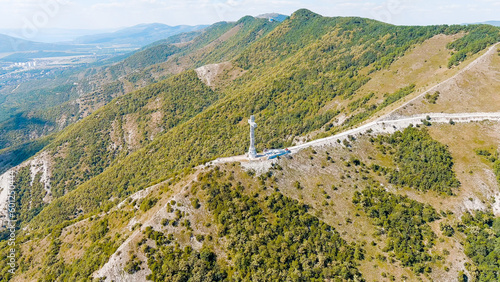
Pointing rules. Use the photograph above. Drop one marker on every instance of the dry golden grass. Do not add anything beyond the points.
(74, 242)
(474, 90)
(423, 65)
(477, 183)
(475, 174)
(317, 175)
(34, 252)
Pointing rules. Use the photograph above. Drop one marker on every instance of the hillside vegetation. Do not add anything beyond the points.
(423, 163)
(230, 223)
(300, 78)
(42, 109)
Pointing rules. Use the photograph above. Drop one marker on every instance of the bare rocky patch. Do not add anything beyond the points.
(214, 75)
(131, 131)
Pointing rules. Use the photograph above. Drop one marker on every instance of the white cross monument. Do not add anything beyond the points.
(252, 153)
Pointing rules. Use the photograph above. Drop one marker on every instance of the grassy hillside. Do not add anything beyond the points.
(296, 86)
(52, 109)
(325, 213)
(473, 90)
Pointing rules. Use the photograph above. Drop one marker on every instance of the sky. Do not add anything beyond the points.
(111, 14)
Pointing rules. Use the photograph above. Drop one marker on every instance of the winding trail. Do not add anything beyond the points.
(388, 123)
(480, 59)
(390, 126)
(377, 127)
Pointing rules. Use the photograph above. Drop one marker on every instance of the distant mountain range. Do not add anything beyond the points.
(132, 37)
(273, 16)
(137, 36)
(12, 44)
(493, 23)
(54, 35)
(135, 171)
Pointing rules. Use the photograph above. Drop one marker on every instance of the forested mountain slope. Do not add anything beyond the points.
(84, 92)
(298, 87)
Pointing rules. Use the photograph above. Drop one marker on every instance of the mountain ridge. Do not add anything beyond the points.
(494, 23)
(307, 16)
(138, 35)
(295, 86)
(12, 44)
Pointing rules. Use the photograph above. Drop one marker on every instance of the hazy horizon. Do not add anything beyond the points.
(29, 19)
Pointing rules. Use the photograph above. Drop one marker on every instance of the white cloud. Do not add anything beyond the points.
(112, 5)
(116, 13)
